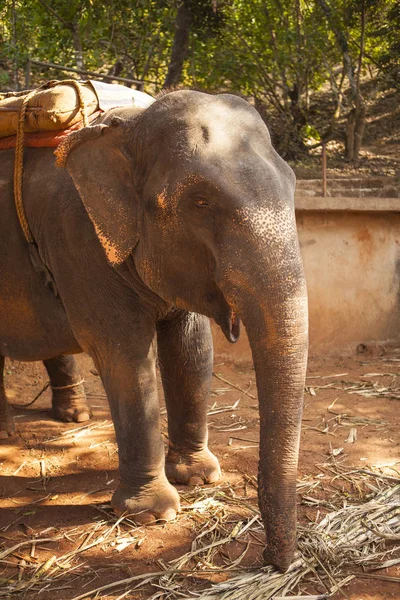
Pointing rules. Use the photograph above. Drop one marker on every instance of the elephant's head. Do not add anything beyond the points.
(193, 189)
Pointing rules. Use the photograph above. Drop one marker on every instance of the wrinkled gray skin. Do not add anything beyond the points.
(183, 210)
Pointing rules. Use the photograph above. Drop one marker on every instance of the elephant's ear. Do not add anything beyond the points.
(103, 175)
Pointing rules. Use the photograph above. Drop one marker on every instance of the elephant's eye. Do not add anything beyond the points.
(201, 202)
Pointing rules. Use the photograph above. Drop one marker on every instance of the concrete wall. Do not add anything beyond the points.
(351, 253)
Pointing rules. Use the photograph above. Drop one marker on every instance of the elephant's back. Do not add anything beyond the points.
(33, 324)
(41, 182)
(6, 175)
(8, 215)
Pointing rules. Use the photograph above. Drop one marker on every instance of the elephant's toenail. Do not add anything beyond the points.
(168, 515)
(195, 480)
(144, 518)
(81, 417)
(213, 477)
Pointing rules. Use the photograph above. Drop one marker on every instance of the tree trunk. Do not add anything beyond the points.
(115, 71)
(356, 118)
(359, 130)
(360, 105)
(339, 98)
(80, 63)
(15, 73)
(74, 29)
(350, 129)
(180, 46)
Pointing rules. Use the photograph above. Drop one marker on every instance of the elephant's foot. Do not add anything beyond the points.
(192, 468)
(70, 404)
(7, 428)
(154, 501)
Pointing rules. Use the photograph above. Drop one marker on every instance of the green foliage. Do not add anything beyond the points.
(310, 134)
(276, 52)
(383, 44)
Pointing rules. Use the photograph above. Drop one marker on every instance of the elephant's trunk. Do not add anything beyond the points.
(271, 299)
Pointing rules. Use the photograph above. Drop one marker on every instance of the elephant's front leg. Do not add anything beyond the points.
(68, 394)
(186, 359)
(6, 420)
(128, 370)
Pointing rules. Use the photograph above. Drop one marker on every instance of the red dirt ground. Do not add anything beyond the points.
(81, 472)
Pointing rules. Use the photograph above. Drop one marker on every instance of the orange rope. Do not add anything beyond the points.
(78, 88)
(18, 169)
(19, 149)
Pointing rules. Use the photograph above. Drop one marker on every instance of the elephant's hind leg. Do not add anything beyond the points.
(69, 398)
(186, 358)
(6, 420)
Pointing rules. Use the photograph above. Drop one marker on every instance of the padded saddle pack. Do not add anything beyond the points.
(59, 105)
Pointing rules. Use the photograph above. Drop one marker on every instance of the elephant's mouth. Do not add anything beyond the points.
(230, 325)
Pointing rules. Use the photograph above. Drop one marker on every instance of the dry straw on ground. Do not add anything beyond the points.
(349, 538)
(355, 531)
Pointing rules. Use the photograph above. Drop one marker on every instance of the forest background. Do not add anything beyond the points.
(317, 70)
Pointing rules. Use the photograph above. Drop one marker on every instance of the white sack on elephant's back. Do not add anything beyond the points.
(110, 96)
(58, 107)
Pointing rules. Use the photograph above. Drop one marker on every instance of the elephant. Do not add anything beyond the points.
(69, 401)
(152, 222)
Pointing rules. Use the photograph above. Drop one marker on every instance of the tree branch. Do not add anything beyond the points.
(51, 10)
(181, 44)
